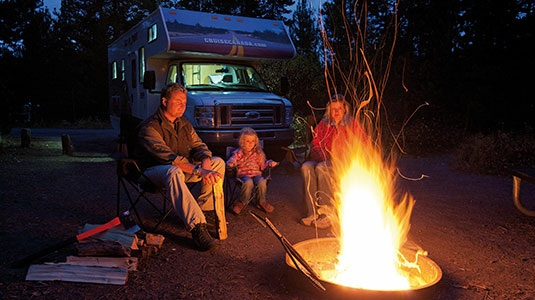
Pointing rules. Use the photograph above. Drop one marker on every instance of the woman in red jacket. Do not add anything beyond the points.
(316, 170)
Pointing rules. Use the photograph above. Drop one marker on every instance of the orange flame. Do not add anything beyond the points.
(373, 218)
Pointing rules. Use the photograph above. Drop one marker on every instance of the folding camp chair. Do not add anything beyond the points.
(232, 184)
(296, 155)
(130, 179)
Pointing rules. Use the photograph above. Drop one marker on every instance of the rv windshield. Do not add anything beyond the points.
(204, 76)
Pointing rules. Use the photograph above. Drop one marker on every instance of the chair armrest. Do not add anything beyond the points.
(129, 168)
(267, 172)
(296, 156)
(231, 171)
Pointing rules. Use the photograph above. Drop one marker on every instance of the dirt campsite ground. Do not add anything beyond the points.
(467, 223)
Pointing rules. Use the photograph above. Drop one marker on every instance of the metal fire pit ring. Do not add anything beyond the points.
(323, 249)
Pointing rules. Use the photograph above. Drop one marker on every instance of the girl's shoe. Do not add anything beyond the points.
(322, 222)
(237, 208)
(266, 207)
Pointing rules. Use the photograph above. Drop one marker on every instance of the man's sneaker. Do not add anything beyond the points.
(266, 207)
(202, 238)
(322, 222)
(308, 220)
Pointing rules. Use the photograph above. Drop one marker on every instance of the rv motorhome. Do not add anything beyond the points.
(214, 57)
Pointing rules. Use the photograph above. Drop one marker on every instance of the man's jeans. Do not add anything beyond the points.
(174, 181)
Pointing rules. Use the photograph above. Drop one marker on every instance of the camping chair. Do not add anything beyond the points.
(130, 179)
(232, 184)
(132, 183)
(296, 155)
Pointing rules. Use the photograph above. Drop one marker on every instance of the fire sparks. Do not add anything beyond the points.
(373, 219)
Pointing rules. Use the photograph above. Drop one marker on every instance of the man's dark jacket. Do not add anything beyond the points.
(161, 142)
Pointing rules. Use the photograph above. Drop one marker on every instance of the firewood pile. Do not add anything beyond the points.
(106, 258)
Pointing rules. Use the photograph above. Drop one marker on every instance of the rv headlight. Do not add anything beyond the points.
(288, 113)
(204, 115)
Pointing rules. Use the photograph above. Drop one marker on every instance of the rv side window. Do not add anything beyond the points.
(172, 74)
(114, 70)
(123, 70)
(134, 77)
(141, 64)
(152, 33)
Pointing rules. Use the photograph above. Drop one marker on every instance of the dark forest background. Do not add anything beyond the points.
(469, 62)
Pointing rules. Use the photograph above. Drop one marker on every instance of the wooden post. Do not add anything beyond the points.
(219, 206)
(66, 144)
(25, 137)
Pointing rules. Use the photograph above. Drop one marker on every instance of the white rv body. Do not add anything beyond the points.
(213, 56)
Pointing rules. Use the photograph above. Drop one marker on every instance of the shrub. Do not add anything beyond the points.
(301, 128)
(490, 153)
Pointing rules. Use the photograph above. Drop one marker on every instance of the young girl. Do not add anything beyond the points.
(250, 160)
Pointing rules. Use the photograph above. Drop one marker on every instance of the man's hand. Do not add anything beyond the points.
(209, 176)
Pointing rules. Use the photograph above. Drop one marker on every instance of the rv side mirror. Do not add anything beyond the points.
(149, 80)
(285, 85)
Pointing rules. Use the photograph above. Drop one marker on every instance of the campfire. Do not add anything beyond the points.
(371, 217)
(371, 223)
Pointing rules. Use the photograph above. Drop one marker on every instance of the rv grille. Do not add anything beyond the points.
(238, 116)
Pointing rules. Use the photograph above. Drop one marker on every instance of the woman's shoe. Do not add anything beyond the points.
(308, 220)
(322, 222)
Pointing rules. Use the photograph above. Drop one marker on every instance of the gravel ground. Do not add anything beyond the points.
(467, 223)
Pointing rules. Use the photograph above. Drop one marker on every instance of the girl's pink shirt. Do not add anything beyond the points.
(247, 165)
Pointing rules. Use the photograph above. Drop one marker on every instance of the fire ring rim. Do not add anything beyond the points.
(426, 259)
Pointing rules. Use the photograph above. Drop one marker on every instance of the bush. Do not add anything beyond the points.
(301, 128)
(490, 153)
